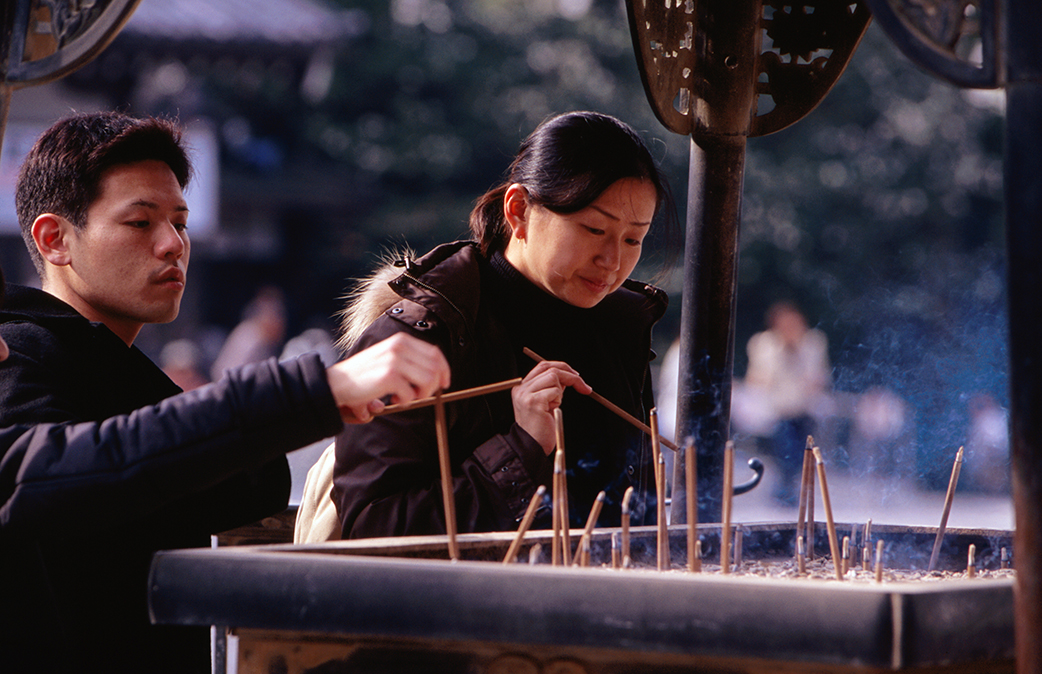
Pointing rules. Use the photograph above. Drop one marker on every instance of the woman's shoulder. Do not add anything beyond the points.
(448, 274)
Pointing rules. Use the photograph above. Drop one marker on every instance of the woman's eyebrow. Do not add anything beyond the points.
(617, 218)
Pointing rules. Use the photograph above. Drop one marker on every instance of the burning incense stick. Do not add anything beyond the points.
(616, 557)
(566, 539)
(1003, 559)
(866, 557)
(846, 554)
(534, 552)
(833, 543)
(806, 488)
(526, 522)
(610, 405)
(739, 531)
(725, 532)
(451, 397)
(694, 564)
(809, 531)
(947, 509)
(866, 541)
(442, 431)
(971, 561)
(591, 522)
(626, 526)
(555, 510)
(662, 539)
(663, 531)
(879, 561)
(801, 557)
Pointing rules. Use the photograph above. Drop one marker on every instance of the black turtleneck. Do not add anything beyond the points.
(600, 447)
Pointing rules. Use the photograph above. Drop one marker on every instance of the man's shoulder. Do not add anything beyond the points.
(33, 321)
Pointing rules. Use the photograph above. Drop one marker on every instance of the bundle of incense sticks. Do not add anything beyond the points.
(694, 562)
(451, 397)
(442, 432)
(728, 495)
(833, 543)
(954, 480)
(609, 405)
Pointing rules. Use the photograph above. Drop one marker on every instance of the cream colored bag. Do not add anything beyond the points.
(317, 520)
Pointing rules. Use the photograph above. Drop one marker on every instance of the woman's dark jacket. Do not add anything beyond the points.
(103, 463)
(482, 313)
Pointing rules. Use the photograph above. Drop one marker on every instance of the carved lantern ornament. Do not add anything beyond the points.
(45, 40)
(748, 68)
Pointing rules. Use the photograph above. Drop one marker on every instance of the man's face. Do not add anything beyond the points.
(127, 266)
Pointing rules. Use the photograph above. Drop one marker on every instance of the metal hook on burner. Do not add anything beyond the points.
(757, 467)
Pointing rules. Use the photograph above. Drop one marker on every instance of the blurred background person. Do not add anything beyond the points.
(789, 373)
(258, 336)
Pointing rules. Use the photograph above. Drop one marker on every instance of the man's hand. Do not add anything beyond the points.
(401, 366)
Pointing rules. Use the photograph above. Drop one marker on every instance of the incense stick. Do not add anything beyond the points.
(616, 557)
(694, 563)
(591, 522)
(947, 509)
(971, 561)
(805, 487)
(450, 397)
(725, 532)
(879, 561)
(833, 543)
(659, 464)
(526, 522)
(534, 552)
(610, 405)
(626, 526)
(738, 535)
(801, 557)
(555, 511)
(566, 539)
(845, 552)
(663, 531)
(442, 432)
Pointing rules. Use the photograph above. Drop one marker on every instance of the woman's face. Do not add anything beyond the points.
(581, 257)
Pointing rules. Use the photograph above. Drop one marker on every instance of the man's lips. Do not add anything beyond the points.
(171, 276)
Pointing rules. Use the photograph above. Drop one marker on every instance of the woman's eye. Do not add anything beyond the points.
(594, 230)
(633, 242)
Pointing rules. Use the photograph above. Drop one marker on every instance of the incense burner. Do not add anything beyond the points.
(396, 605)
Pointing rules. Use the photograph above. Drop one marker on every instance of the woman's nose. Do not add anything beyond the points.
(608, 257)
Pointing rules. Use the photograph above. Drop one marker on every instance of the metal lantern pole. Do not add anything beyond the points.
(708, 75)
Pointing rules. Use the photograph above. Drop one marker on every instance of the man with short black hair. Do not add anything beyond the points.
(103, 460)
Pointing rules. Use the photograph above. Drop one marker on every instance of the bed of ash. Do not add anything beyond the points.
(821, 568)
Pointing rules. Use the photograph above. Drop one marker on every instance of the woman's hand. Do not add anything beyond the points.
(401, 366)
(539, 394)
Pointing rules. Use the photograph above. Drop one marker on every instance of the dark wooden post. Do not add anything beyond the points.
(707, 75)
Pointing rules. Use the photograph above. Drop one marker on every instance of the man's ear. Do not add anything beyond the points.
(515, 210)
(50, 232)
